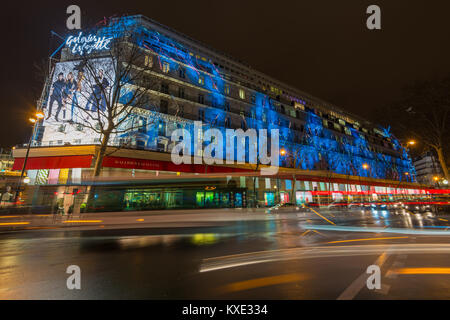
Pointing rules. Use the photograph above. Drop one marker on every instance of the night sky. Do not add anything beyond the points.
(320, 47)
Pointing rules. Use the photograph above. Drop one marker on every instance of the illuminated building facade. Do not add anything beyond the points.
(323, 147)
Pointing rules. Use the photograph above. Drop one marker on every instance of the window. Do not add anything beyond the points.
(181, 92)
(180, 111)
(142, 125)
(227, 106)
(148, 62)
(201, 115)
(164, 106)
(347, 131)
(201, 80)
(161, 128)
(337, 127)
(253, 99)
(182, 73)
(201, 99)
(227, 122)
(165, 67)
(164, 88)
(227, 89)
(299, 106)
(241, 93)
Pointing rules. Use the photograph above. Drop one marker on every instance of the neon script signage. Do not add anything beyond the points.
(82, 44)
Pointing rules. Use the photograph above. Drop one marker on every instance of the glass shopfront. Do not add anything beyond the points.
(148, 199)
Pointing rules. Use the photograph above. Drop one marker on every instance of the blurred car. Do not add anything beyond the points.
(341, 204)
(420, 208)
(284, 207)
(378, 206)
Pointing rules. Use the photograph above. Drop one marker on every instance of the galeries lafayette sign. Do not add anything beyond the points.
(85, 44)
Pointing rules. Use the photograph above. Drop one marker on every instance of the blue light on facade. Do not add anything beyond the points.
(316, 147)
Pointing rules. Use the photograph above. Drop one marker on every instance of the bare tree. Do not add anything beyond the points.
(424, 114)
(113, 96)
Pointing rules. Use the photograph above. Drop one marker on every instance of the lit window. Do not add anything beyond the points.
(165, 67)
(201, 80)
(227, 89)
(337, 127)
(299, 106)
(347, 131)
(148, 61)
(241, 93)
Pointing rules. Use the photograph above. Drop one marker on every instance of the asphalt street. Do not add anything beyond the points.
(227, 255)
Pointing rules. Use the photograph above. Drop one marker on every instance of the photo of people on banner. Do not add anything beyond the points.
(77, 87)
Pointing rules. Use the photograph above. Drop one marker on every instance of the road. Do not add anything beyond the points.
(227, 255)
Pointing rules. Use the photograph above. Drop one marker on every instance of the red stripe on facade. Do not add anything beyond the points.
(53, 162)
(131, 163)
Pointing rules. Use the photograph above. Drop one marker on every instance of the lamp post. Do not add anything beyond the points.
(34, 120)
(294, 156)
(436, 180)
(409, 143)
(365, 166)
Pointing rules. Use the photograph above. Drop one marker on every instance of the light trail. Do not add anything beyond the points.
(13, 223)
(83, 221)
(378, 230)
(262, 282)
(367, 239)
(421, 271)
(251, 258)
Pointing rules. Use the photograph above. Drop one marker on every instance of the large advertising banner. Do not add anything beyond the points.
(79, 94)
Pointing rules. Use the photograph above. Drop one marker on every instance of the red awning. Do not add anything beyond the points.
(53, 162)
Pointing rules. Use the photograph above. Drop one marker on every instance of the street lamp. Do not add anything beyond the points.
(436, 180)
(411, 142)
(40, 115)
(365, 166)
(34, 120)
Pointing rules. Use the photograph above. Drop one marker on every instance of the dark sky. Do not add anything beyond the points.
(321, 47)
